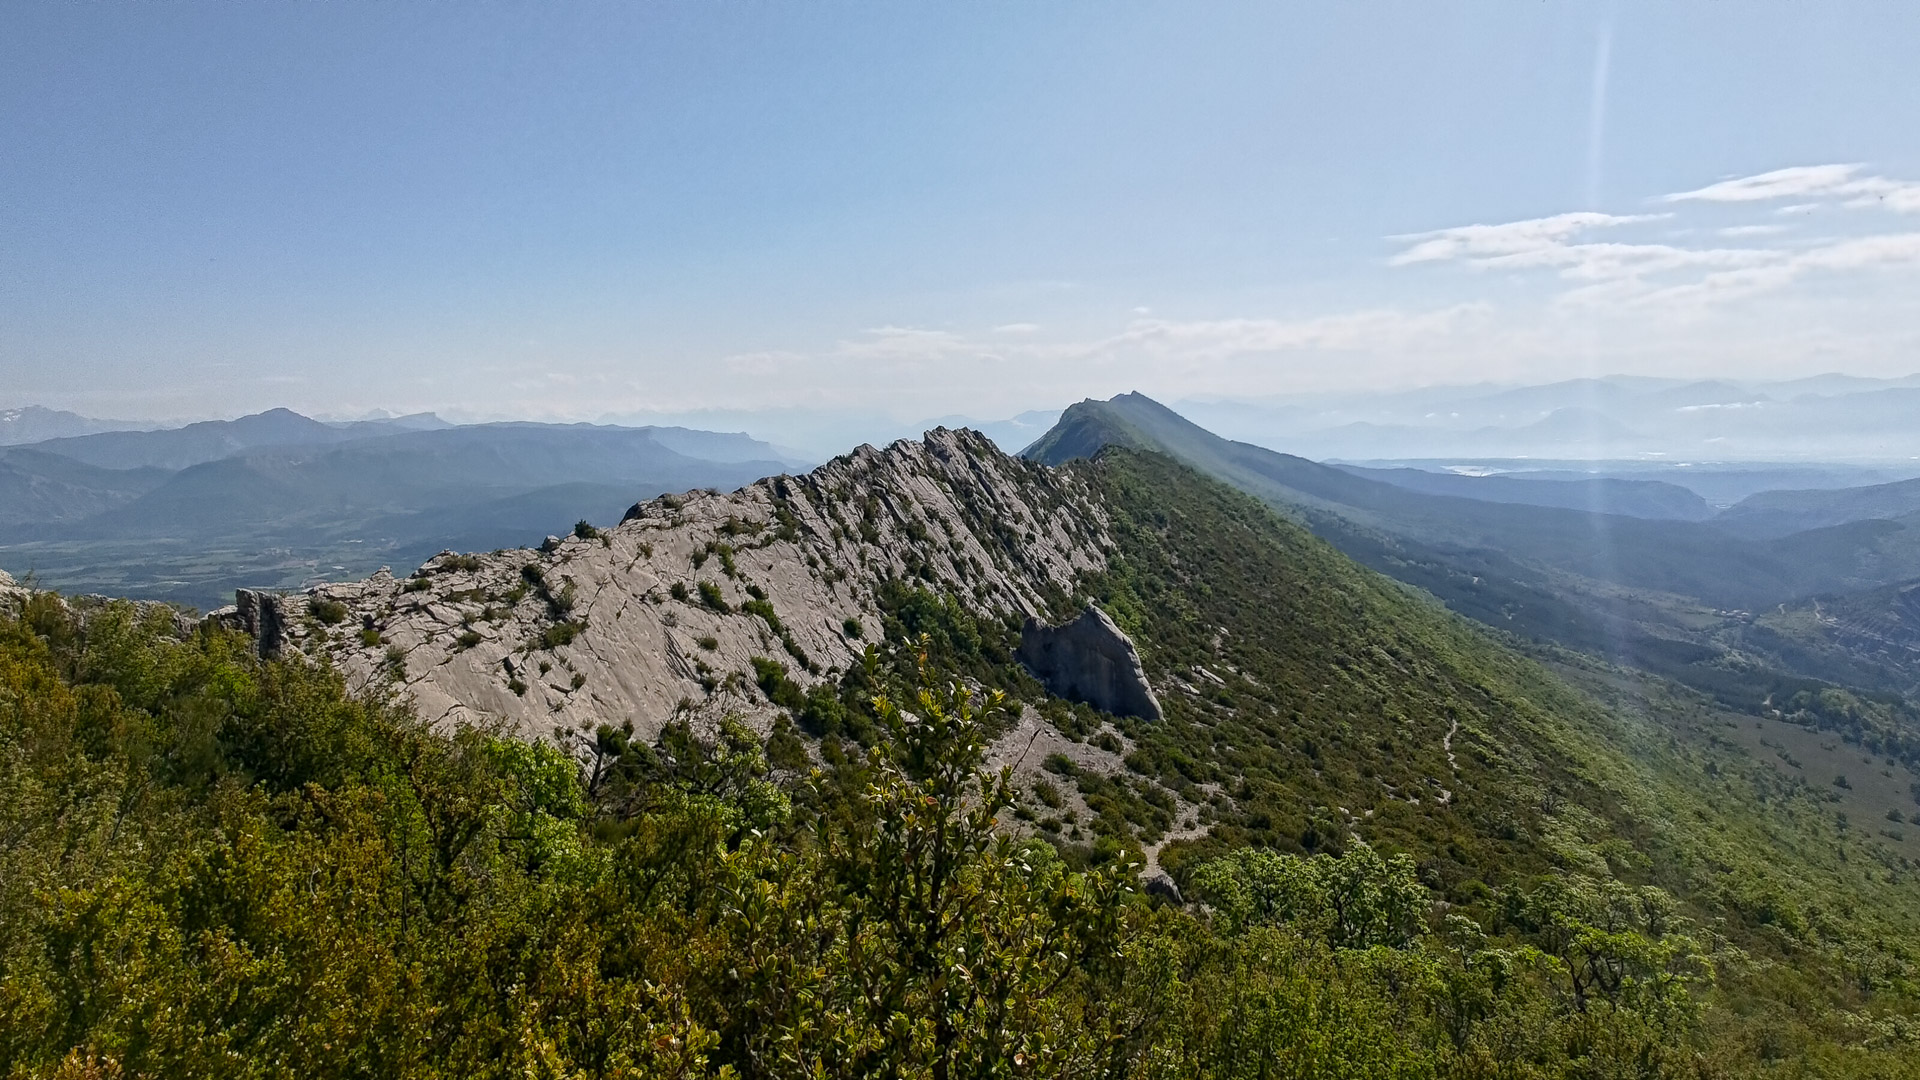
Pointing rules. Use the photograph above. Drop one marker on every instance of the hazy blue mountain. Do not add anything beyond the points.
(1778, 513)
(32, 423)
(1655, 499)
(724, 446)
(299, 498)
(39, 488)
(1721, 484)
(195, 444)
(423, 421)
(339, 489)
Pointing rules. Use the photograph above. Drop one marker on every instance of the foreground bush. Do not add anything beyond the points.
(215, 866)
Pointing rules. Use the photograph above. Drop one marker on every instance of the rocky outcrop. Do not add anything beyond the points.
(11, 593)
(262, 614)
(668, 611)
(1090, 660)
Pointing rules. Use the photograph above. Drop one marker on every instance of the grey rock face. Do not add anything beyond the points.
(665, 614)
(263, 615)
(1162, 886)
(1089, 660)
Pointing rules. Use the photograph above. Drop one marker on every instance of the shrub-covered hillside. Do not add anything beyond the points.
(212, 865)
(1311, 700)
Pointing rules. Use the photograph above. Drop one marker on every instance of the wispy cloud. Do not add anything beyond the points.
(1608, 271)
(1520, 241)
(1844, 182)
(1599, 255)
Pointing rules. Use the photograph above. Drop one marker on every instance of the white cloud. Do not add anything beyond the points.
(1843, 182)
(1798, 182)
(1018, 328)
(1629, 274)
(1610, 271)
(1515, 240)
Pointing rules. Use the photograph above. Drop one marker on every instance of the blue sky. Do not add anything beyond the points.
(592, 210)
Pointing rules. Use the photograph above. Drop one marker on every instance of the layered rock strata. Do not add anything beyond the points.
(668, 610)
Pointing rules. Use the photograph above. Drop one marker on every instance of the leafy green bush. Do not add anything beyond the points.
(711, 596)
(330, 612)
(213, 862)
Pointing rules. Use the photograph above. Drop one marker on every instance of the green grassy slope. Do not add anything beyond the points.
(1676, 599)
(1335, 693)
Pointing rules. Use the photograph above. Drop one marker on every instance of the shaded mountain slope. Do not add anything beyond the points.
(1654, 499)
(1673, 598)
(1780, 513)
(1328, 704)
(1682, 557)
(41, 489)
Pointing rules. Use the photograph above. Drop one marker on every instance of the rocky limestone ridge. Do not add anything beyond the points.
(14, 598)
(668, 610)
(1089, 659)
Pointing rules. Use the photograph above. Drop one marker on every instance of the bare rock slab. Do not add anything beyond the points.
(1089, 660)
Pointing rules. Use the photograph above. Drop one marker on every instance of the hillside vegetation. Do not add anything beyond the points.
(1425, 856)
(1803, 626)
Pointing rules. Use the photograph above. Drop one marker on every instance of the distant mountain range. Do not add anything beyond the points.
(34, 424)
(1827, 418)
(274, 498)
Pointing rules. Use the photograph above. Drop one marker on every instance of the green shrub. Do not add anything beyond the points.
(711, 596)
(678, 591)
(560, 633)
(852, 628)
(330, 612)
